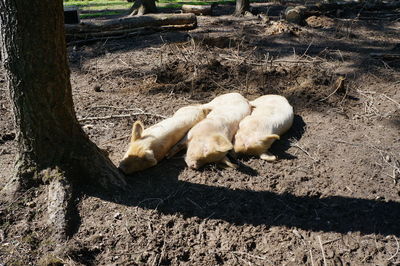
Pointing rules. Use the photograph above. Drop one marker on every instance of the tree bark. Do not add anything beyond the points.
(141, 7)
(241, 7)
(205, 10)
(49, 136)
(158, 20)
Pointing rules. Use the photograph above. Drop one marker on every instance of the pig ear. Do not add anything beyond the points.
(206, 110)
(223, 144)
(271, 137)
(137, 130)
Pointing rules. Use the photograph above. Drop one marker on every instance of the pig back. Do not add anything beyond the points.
(273, 112)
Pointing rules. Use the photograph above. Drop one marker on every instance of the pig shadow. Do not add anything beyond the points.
(296, 132)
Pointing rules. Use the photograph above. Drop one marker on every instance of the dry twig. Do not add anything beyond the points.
(118, 116)
(295, 144)
(116, 139)
(311, 258)
(330, 241)
(339, 86)
(322, 250)
(397, 250)
(247, 254)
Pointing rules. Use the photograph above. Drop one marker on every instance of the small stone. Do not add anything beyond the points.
(118, 216)
(89, 126)
(31, 204)
(8, 136)
(97, 88)
(264, 17)
(329, 253)
(248, 14)
(296, 233)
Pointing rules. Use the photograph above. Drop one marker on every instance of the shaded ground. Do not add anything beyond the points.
(332, 194)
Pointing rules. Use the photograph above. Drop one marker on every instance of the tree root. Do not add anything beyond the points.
(92, 168)
(59, 201)
(142, 7)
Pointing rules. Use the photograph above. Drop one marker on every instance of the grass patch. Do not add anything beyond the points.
(100, 8)
(191, 2)
(101, 14)
(117, 4)
(87, 5)
(96, 3)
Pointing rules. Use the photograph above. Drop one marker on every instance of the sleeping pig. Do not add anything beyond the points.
(149, 146)
(272, 116)
(211, 139)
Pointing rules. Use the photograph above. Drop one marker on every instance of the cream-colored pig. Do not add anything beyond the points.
(149, 146)
(272, 116)
(211, 139)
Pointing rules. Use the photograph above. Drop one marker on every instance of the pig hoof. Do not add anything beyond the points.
(268, 157)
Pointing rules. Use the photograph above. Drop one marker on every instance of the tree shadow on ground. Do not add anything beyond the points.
(159, 188)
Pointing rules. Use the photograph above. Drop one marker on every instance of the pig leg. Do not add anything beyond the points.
(177, 147)
(267, 156)
(228, 163)
(233, 154)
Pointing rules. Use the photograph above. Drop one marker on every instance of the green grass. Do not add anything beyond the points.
(96, 3)
(99, 8)
(99, 4)
(101, 14)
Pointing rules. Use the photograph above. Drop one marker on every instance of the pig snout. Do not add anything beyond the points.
(193, 164)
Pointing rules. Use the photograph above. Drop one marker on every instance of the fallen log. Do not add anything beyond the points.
(377, 5)
(128, 25)
(298, 14)
(205, 10)
(87, 38)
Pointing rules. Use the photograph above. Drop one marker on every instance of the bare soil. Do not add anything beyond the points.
(332, 197)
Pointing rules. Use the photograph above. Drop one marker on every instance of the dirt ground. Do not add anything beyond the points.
(332, 197)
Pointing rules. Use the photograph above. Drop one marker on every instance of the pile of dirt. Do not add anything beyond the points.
(303, 84)
(282, 26)
(320, 22)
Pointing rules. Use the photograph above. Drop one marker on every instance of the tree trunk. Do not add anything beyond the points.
(51, 144)
(241, 7)
(141, 7)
